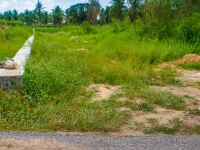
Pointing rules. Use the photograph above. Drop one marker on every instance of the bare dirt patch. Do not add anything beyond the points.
(141, 120)
(159, 117)
(103, 91)
(188, 76)
(187, 91)
(190, 58)
(37, 145)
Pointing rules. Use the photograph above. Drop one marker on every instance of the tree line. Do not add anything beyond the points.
(160, 18)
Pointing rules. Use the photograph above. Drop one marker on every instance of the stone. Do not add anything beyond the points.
(2, 64)
(158, 77)
(3, 87)
(7, 58)
(10, 64)
(124, 109)
(9, 84)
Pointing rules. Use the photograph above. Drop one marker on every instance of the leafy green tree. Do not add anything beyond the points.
(57, 15)
(77, 13)
(93, 11)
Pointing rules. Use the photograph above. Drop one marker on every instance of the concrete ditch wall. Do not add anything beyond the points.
(8, 82)
(14, 77)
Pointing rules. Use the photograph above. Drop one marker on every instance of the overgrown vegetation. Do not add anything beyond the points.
(65, 60)
(12, 39)
(123, 51)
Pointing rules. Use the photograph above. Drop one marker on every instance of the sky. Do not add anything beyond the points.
(21, 5)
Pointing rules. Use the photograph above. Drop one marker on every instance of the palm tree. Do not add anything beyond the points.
(15, 14)
(104, 15)
(57, 15)
(8, 15)
(117, 9)
(29, 17)
(93, 11)
(45, 17)
(133, 8)
(39, 9)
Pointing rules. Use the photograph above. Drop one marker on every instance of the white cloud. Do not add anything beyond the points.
(4, 4)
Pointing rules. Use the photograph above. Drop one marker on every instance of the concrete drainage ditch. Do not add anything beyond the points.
(12, 70)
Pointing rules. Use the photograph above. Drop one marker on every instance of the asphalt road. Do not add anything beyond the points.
(97, 142)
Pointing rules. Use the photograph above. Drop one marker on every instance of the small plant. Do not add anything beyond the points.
(188, 96)
(163, 98)
(87, 28)
(195, 111)
(152, 121)
(160, 129)
(146, 106)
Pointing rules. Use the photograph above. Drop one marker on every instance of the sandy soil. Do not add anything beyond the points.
(190, 58)
(37, 145)
(190, 92)
(103, 91)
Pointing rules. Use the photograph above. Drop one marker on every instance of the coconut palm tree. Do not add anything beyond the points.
(105, 16)
(134, 8)
(15, 15)
(117, 9)
(29, 17)
(57, 15)
(8, 15)
(39, 9)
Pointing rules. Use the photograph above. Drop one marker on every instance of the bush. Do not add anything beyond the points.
(11, 23)
(87, 28)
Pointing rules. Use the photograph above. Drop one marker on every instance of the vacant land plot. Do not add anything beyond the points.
(100, 80)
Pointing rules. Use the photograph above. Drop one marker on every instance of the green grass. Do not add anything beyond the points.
(195, 111)
(68, 115)
(12, 39)
(189, 66)
(66, 60)
(146, 106)
(163, 98)
(175, 126)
